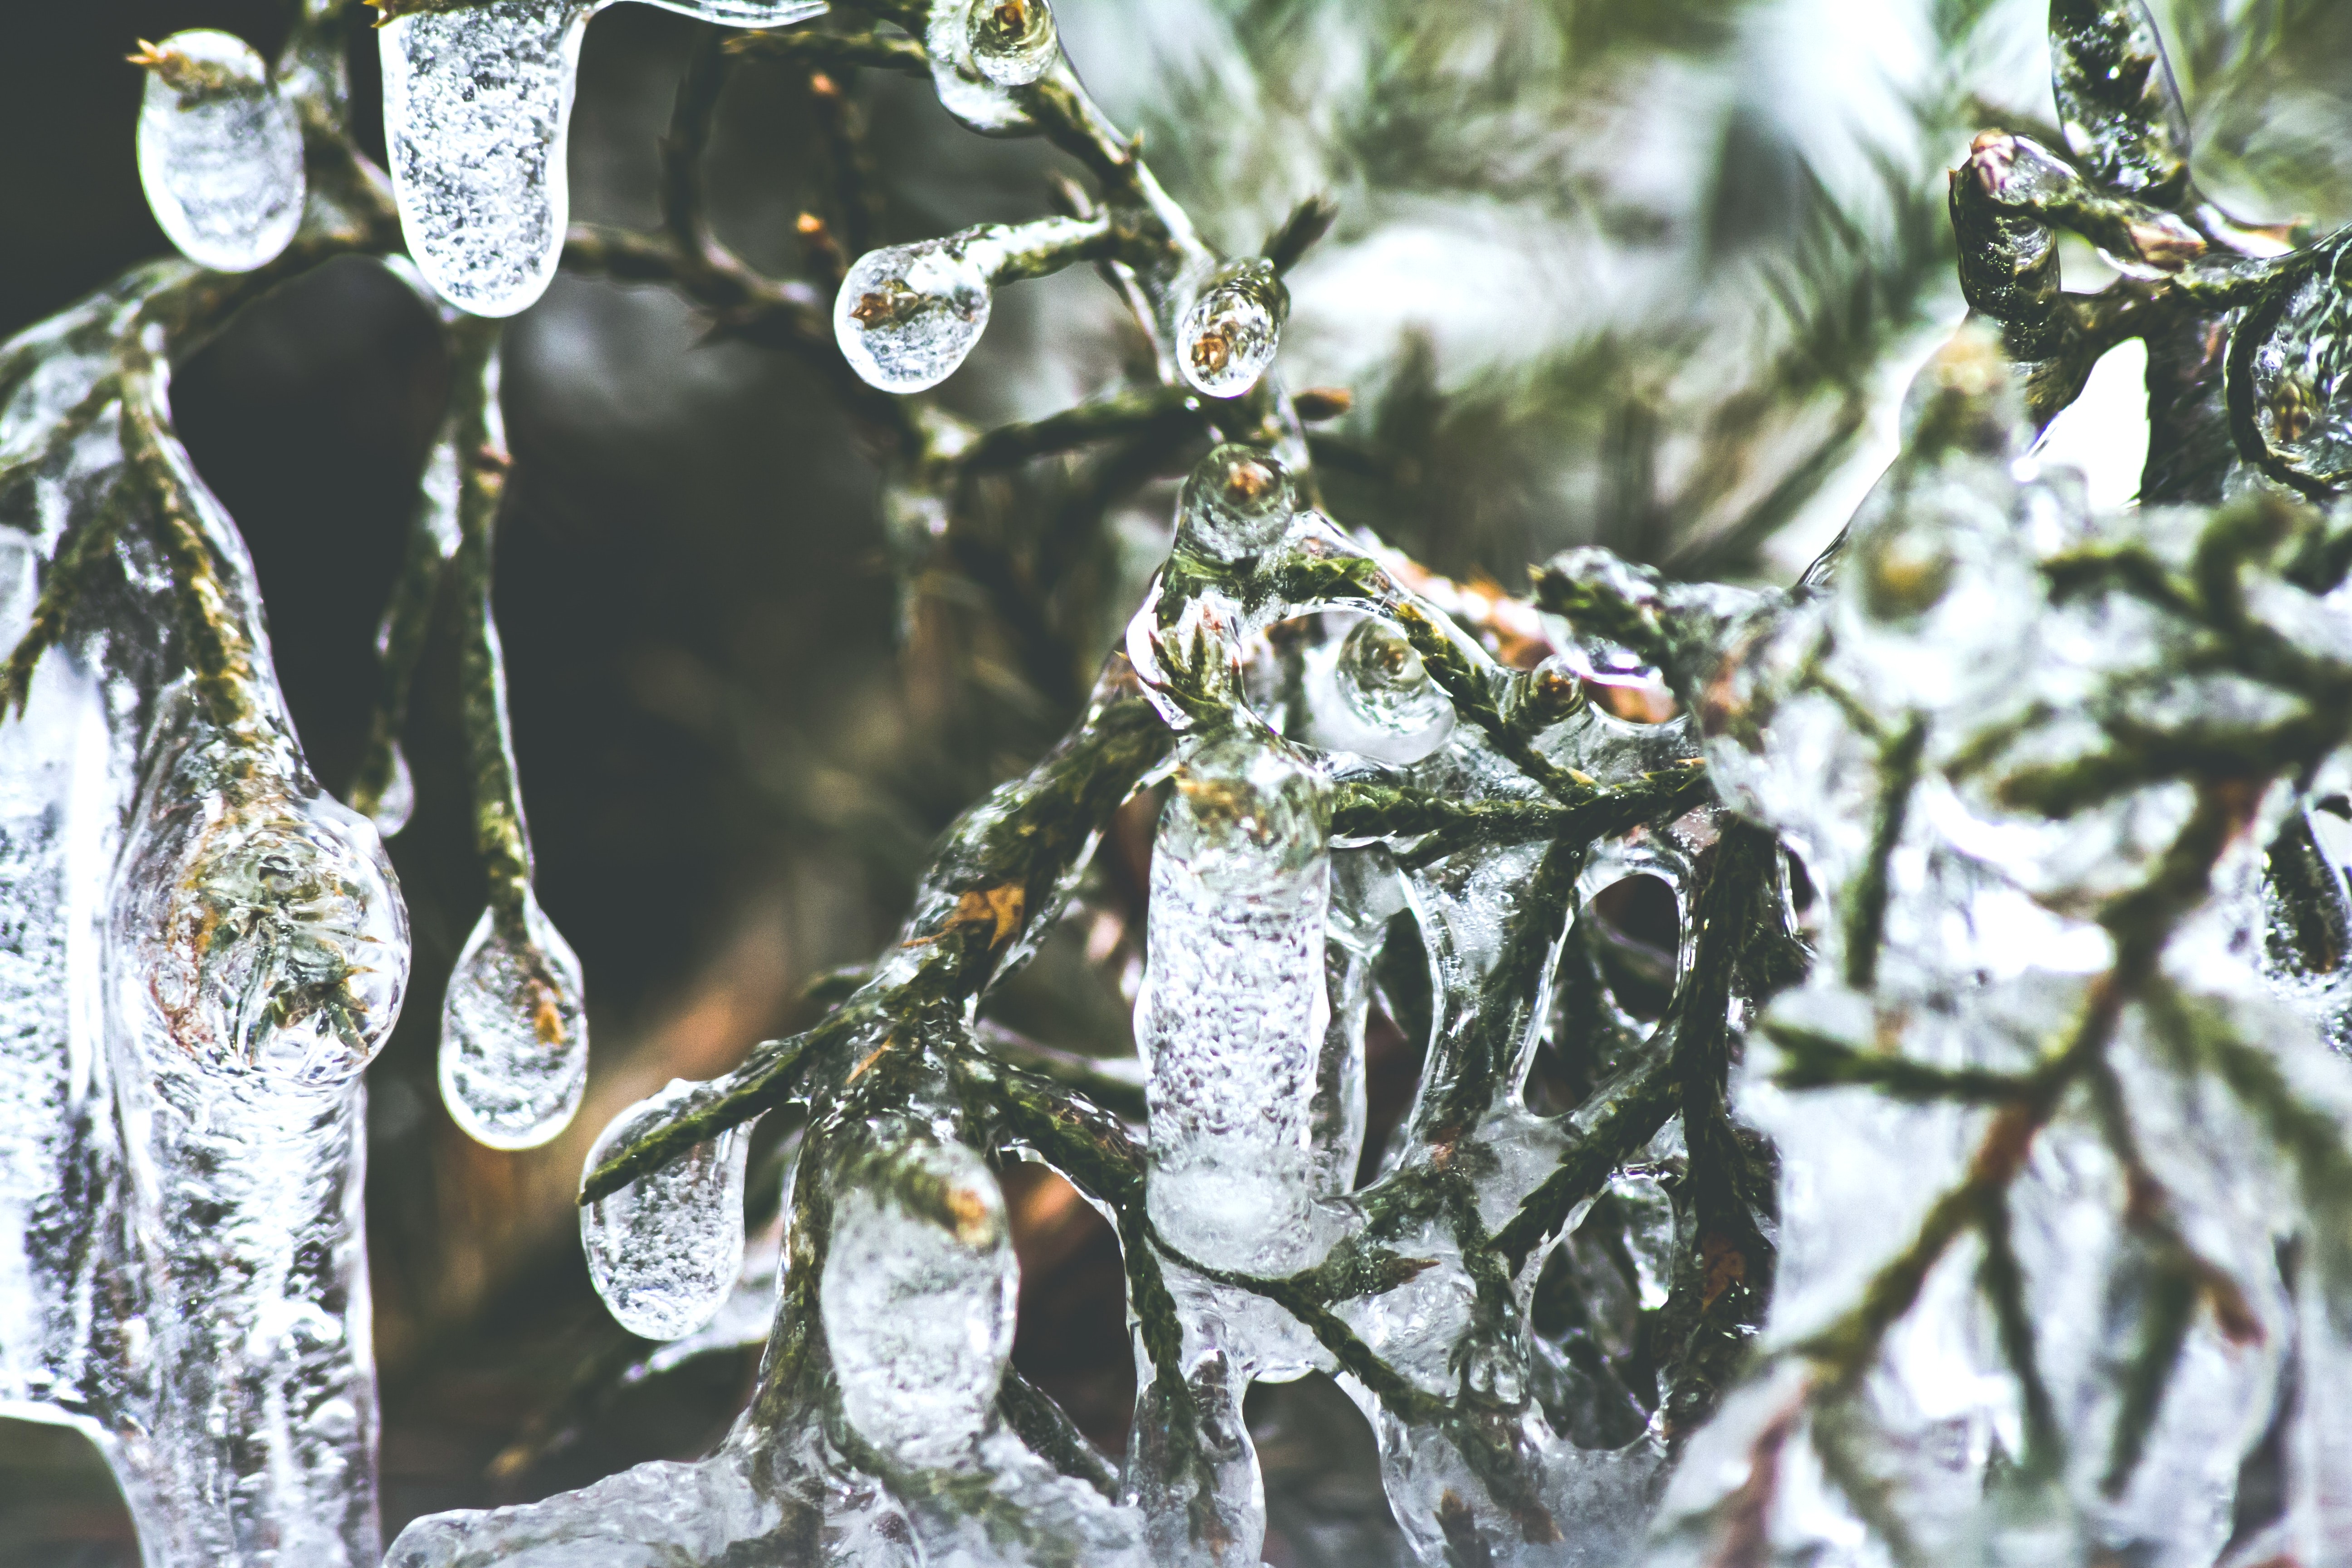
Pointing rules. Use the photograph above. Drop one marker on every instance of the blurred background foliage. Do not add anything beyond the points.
(1645, 273)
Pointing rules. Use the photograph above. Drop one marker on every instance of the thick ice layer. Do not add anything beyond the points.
(1233, 1006)
(194, 976)
(665, 1251)
(220, 150)
(918, 1294)
(1230, 335)
(514, 1032)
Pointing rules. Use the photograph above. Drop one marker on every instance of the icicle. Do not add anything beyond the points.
(1235, 503)
(1230, 335)
(478, 114)
(665, 1250)
(1381, 681)
(220, 151)
(514, 1031)
(907, 315)
(1233, 1006)
(1011, 42)
(918, 1297)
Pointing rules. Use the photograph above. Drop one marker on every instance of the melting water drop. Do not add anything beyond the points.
(220, 151)
(1235, 503)
(255, 926)
(1234, 1004)
(398, 802)
(1013, 42)
(514, 1032)
(1230, 335)
(918, 1297)
(478, 114)
(1384, 683)
(907, 315)
(665, 1250)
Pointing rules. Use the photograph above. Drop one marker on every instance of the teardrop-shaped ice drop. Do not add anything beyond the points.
(220, 151)
(477, 113)
(1013, 42)
(1234, 1004)
(1235, 503)
(981, 103)
(665, 1250)
(907, 315)
(918, 1298)
(255, 926)
(1230, 334)
(398, 802)
(514, 1033)
(1382, 681)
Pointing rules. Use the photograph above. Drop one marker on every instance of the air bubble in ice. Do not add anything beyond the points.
(1013, 42)
(255, 926)
(1235, 503)
(907, 315)
(1233, 1006)
(665, 1250)
(220, 151)
(1230, 334)
(514, 1032)
(918, 1297)
(1382, 681)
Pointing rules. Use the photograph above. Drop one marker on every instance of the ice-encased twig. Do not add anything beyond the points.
(191, 1026)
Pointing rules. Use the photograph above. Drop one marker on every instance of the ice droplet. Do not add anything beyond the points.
(981, 103)
(255, 925)
(1230, 334)
(1234, 1004)
(1384, 683)
(1235, 503)
(220, 153)
(398, 802)
(665, 1250)
(2302, 401)
(514, 1033)
(1013, 42)
(907, 315)
(918, 1298)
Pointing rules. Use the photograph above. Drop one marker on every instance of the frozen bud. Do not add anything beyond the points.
(1230, 334)
(1905, 569)
(1382, 681)
(918, 1297)
(514, 1032)
(1013, 42)
(256, 927)
(665, 1250)
(1233, 1006)
(2302, 379)
(1235, 503)
(907, 315)
(220, 153)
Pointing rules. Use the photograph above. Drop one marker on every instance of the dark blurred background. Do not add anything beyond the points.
(1649, 273)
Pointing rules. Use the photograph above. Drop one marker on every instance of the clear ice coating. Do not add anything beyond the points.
(979, 100)
(514, 1031)
(199, 953)
(917, 1296)
(1229, 337)
(1382, 682)
(907, 315)
(1235, 503)
(1233, 1009)
(478, 114)
(1011, 42)
(665, 1250)
(220, 150)
(398, 802)
(2301, 371)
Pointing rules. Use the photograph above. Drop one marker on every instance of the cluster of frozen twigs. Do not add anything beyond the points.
(1982, 1194)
